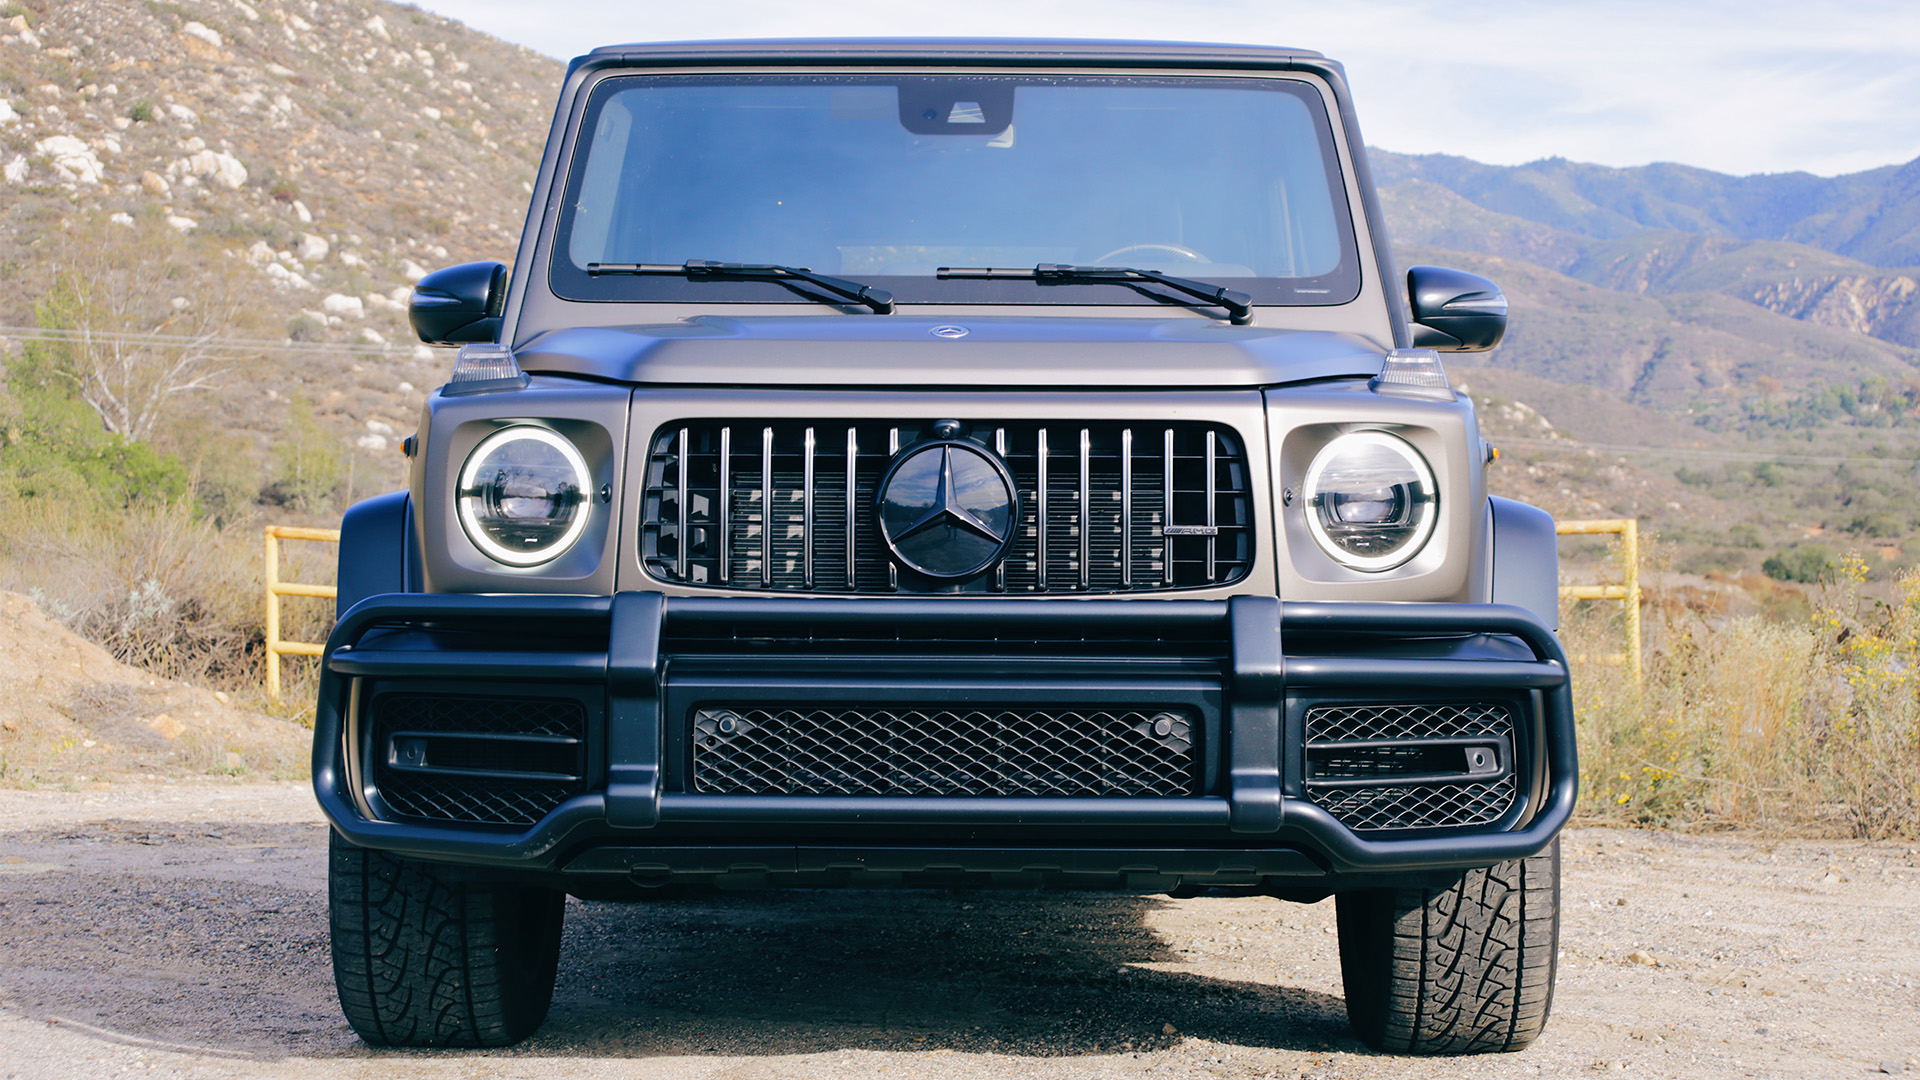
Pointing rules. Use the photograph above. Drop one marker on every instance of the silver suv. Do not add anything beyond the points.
(949, 464)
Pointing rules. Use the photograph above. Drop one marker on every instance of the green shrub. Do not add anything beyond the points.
(141, 111)
(1805, 563)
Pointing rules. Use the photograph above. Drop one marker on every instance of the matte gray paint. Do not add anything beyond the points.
(998, 351)
(373, 550)
(1526, 559)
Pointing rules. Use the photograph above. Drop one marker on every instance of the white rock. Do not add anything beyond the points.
(300, 211)
(260, 254)
(348, 258)
(371, 442)
(121, 123)
(50, 91)
(183, 114)
(179, 303)
(373, 337)
(28, 38)
(181, 224)
(429, 112)
(122, 218)
(286, 278)
(204, 33)
(7, 115)
(422, 352)
(194, 145)
(109, 144)
(405, 387)
(220, 168)
(155, 183)
(340, 304)
(377, 26)
(379, 427)
(313, 248)
(401, 295)
(283, 72)
(16, 170)
(303, 25)
(412, 271)
(247, 10)
(71, 158)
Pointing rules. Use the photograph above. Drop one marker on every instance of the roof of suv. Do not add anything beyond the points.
(1015, 51)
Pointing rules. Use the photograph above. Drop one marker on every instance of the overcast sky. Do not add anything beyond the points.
(1740, 86)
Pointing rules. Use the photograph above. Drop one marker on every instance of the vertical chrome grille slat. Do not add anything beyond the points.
(1086, 506)
(1126, 507)
(681, 468)
(893, 451)
(806, 516)
(1040, 515)
(1166, 516)
(1213, 534)
(1000, 568)
(725, 558)
(853, 517)
(766, 507)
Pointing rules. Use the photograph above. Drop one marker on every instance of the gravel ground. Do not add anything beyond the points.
(180, 930)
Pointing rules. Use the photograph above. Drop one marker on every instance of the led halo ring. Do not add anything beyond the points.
(1426, 511)
(468, 473)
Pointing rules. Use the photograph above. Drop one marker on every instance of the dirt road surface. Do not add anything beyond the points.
(181, 930)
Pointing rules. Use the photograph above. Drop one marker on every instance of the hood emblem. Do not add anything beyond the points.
(948, 509)
(949, 331)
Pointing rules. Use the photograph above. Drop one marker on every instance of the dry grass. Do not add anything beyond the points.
(1805, 726)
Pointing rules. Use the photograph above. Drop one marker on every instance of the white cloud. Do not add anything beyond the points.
(1757, 86)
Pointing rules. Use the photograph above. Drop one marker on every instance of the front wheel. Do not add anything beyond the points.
(1462, 970)
(422, 957)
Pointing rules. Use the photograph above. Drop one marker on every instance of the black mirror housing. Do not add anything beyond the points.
(459, 305)
(1454, 311)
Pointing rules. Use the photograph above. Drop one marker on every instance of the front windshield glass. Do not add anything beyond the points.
(885, 179)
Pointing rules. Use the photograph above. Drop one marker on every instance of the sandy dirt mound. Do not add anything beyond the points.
(72, 714)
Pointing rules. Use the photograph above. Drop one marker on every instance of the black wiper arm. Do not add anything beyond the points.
(879, 300)
(1238, 304)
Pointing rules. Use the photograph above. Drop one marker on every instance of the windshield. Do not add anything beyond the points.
(886, 179)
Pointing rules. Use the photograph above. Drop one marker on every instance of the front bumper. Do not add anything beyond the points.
(1252, 663)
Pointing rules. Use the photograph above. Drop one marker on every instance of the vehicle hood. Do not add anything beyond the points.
(993, 353)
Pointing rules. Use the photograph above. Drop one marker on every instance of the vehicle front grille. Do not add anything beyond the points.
(477, 761)
(1382, 768)
(789, 506)
(863, 750)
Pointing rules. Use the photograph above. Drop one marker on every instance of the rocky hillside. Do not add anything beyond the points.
(335, 151)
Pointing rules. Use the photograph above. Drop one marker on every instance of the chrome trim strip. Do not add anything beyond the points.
(726, 501)
(893, 451)
(1213, 530)
(853, 515)
(1086, 505)
(1000, 568)
(1040, 515)
(1126, 507)
(806, 517)
(766, 506)
(680, 467)
(1166, 518)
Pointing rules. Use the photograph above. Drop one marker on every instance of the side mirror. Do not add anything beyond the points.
(1454, 311)
(460, 304)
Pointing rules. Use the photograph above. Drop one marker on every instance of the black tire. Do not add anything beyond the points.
(1466, 969)
(422, 958)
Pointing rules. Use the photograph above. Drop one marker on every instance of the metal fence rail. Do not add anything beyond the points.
(1627, 591)
(277, 648)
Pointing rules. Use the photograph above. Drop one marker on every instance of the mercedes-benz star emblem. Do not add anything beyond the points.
(949, 332)
(948, 509)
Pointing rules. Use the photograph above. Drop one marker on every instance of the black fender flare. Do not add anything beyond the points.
(376, 550)
(1525, 566)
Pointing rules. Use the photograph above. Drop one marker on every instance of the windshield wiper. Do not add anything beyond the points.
(1238, 304)
(879, 300)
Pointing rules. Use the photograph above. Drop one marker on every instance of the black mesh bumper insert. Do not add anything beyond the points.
(476, 761)
(864, 750)
(1383, 768)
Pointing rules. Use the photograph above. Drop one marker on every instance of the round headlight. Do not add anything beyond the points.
(522, 495)
(1371, 500)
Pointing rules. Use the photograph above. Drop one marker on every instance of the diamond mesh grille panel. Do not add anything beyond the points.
(1425, 806)
(878, 751)
(1390, 806)
(472, 800)
(789, 506)
(1338, 723)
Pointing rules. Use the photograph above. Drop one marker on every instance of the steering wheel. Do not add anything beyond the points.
(1179, 250)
